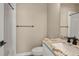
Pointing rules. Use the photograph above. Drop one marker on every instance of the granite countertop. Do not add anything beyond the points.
(64, 49)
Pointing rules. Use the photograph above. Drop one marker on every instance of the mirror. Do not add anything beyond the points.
(69, 20)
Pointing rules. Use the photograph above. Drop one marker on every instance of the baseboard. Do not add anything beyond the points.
(24, 54)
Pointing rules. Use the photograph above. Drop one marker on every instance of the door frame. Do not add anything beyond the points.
(1, 28)
(13, 51)
(14, 28)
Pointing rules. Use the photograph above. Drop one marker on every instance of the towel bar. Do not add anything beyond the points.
(25, 26)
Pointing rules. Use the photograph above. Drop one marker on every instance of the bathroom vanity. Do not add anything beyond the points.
(59, 47)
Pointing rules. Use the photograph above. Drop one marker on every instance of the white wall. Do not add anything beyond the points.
(30, 14)
(53, 20)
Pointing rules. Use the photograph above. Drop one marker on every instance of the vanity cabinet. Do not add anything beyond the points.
(47, 51)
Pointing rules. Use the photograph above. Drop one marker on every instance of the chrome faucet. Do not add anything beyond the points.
(74, 40)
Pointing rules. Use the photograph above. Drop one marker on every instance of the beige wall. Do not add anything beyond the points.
(77, 7)
(53, 20)
(30, 14)
(47, 18)
(65, 8)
